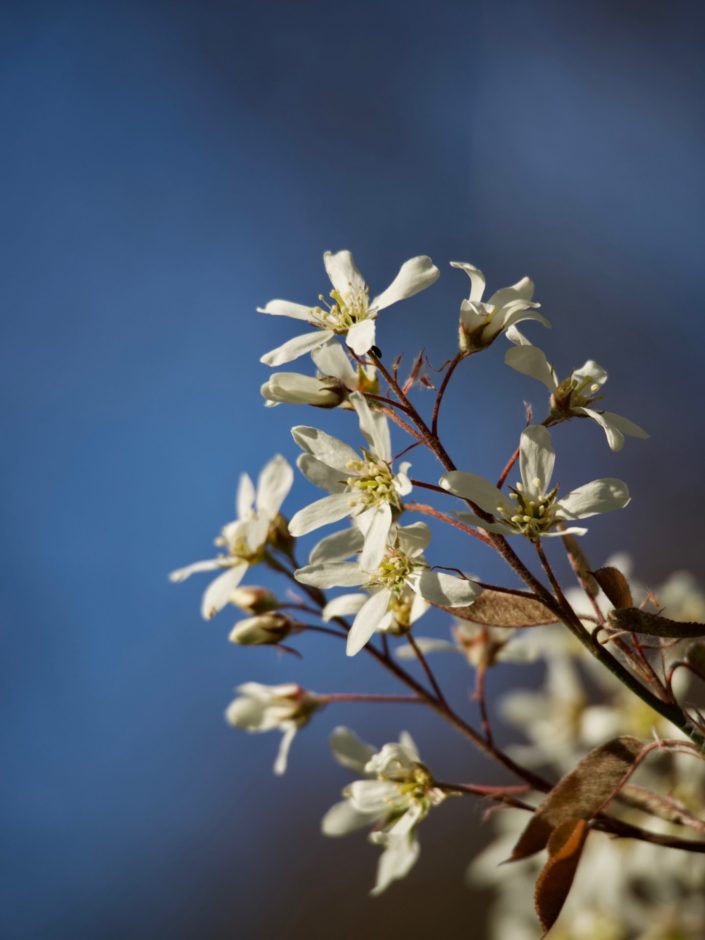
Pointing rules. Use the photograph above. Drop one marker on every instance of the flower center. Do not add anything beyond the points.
(374, 482)
(393, 571)
(345, 311)
(535, 512)
(575, 393)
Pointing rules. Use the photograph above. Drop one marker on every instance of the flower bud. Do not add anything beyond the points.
(294, 389)
(254, 600)
(261, 631)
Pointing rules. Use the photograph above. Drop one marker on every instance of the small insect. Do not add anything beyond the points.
(376, 351)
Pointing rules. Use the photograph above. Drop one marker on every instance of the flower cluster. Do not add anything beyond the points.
(638, 648)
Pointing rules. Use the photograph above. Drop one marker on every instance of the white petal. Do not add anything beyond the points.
(625, 425)
(320, 474)
(591, 370)
(298, 346)
(361, 336)
(469, 518)
(343, 818)
(446, 590)
(537, 458)
(292, 388)
(477, 279)
(343, 606)
(395, 862)
(414, 275)
(374, 427)
(522, 290)
(182, 573)
(376, 537)
(402, 483)
(531, 361)
(337, 547)
(593, 498)
(322, 512)
(517, 313)
(615, 427)
(367, 621)
(218, 592)
(284, 747)
(473, 316)
(332, 360)
(414, 538)
(327, 576)
(373, 796)
(477, 489)
(349, 750)
(273, 486)
(418, 608)
(245, 497)
(285, 308)
(325, 447)
(343, 272)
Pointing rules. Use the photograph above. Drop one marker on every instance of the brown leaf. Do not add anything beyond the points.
(695, 656)
(615, 586)
(497, 609)
(553, 884)
(579, 563)
(641, 621)
(581, 793)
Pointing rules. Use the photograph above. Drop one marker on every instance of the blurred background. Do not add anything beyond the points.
(166, 168)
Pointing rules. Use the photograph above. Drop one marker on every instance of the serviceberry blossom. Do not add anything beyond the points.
(481, 322)
(245, 540)
(361, 486)
(351, 313)
(575, 395)
(285, 708)
(532, 509)
(336, 378)
(396, 793)
(400, 587)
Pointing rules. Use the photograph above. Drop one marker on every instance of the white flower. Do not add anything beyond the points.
(401, 586)
(351, 313)
(532, 509)
(335, 380)
(397, 793)
(364, 488)
(246, 538)
(482, 322)
(574, 395)
(270, 707)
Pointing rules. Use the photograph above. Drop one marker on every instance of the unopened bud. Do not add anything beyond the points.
(254, 600)
(279, 535)
(261, 631)
(294, 389)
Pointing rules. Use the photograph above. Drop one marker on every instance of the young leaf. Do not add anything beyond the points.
(640, 621)
(615, 586)
(553, 884)
(497, 609)
(580, 794)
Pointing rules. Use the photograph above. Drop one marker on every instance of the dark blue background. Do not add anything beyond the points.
(166, 168)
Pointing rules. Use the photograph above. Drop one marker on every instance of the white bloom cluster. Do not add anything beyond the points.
(396, 794)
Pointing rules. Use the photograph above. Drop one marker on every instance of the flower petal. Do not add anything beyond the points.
(343, 606)
(180, 574)
(320, 474)
(332, 360)
(477, 489)
(414, 275)
(414, 538)
(218, 592)
(285, 308)
(325, 447)
(298, 346)
(376, 537)
(361, 337)
(322, 512)
(397, 860)
(374, 427)
(343, 818)
(337, 547)
(531, 361)
(349, 750)
(245, 497)
(446, 590)
(273, 486)
(594, 498)
(327, 576)
(367, 621)
(536, 459)
(477, 279)
(343, 272)
(283, 753)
